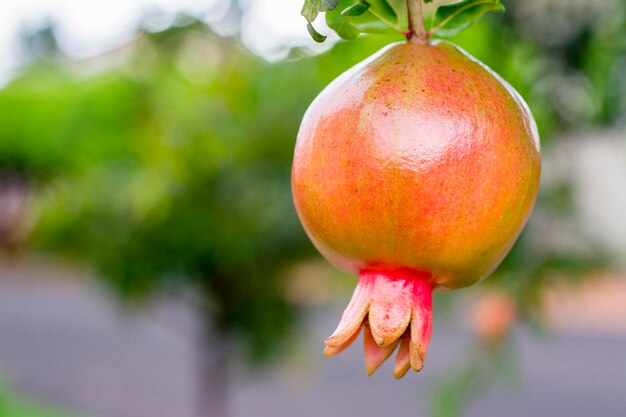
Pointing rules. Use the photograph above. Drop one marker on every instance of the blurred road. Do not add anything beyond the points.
(64, 342)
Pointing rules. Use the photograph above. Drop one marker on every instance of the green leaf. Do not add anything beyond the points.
(317, 37)
(340, 25)
(311, 9)
(383, 11)
(356, 9)
(350, 18)
(452, 19)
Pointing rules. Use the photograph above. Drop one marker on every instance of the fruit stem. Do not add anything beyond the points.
(417, 29)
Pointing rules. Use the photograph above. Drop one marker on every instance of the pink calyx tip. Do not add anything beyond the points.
(394, 308)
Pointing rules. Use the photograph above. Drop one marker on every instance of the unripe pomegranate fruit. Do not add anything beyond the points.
(416, 169)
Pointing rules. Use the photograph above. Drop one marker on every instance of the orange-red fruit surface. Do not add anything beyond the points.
(418, 162)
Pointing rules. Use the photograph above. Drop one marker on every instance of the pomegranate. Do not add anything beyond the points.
(416, 170)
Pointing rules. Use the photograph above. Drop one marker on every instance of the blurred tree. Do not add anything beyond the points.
(171, 171)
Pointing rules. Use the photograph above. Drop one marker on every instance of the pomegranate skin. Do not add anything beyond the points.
(419, 158)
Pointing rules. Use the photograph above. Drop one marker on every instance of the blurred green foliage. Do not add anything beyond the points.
(171, 172)
(166, 164)
(14, 405)
(162, 179)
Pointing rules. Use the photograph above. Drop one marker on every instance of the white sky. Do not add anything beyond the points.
(89, 27)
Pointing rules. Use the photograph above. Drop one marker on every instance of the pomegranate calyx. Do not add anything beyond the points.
(394, 308)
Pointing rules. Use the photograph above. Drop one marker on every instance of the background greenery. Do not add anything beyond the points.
(167, 167)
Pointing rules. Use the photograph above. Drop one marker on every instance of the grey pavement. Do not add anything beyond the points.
(65, 341)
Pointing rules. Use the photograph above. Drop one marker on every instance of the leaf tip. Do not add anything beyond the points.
(317, 37)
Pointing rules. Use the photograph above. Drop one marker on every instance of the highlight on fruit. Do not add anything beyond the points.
(415, 170)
